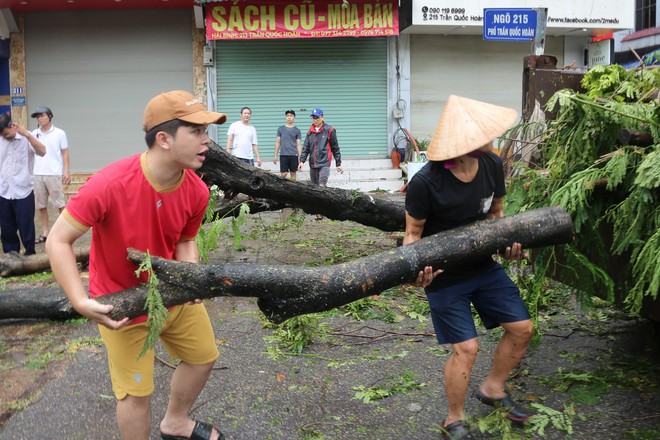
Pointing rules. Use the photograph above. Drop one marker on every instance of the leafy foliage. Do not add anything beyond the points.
(617, 83)
(401, 384)
(157, 312)
(294, 334)
(611, 191)
(208, 237)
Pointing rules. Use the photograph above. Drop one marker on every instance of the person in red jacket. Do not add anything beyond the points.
(320, 147)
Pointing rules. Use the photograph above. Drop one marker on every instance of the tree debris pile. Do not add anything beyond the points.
(601, 161)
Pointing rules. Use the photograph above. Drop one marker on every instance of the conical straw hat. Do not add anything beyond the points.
(467, 125)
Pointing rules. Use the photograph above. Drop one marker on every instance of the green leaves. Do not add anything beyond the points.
(610, 190)
(401, 384)
(157, 313)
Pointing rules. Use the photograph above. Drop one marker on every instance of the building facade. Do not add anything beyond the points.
(373, 67)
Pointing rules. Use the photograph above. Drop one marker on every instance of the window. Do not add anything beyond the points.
(645, 14)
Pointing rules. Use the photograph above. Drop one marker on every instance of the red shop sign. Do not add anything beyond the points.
(301, 19)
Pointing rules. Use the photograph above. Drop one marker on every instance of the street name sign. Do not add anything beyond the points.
(502, 24)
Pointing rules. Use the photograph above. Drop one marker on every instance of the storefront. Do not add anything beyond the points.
(448, 53)
(277, 55)
(97, 69)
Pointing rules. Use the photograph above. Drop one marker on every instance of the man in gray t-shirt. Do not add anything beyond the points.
(288, 139)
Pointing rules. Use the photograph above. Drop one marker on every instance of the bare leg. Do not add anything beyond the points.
(187, 382)
(457, 377)
(293, 176)
(134, 417)
(508, 353)
(43, 215)
(283, 175)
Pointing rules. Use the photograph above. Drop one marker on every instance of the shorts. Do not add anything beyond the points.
(492, 293)
(187, 336)
(288, 164)
(45, 186)
(247, 161)
(319, 176)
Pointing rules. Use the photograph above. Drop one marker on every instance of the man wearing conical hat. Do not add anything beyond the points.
(464, 183)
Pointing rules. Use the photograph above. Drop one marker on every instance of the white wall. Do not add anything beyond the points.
(466, 66)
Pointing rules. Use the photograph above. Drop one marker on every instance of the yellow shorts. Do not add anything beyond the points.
(187, 336)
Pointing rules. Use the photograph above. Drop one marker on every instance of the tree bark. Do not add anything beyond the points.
(286, 291)
(231, 208)
(233, 177)
(13, 264)
(43, 303)
(634, 137)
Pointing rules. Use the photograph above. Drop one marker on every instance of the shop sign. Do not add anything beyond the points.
(600, 53)
(609, 14)
(18, 101)
(277, 19)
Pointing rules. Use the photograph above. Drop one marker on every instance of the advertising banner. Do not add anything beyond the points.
(278, 19)
(605, 14)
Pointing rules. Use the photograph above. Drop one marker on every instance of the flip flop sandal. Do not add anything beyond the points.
(457, 430)
(201, 431)
(41, 239)
(517, 412)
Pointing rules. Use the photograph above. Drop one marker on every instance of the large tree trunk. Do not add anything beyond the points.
(233, 177)
(41, 303)
(286, 291)
(13, 264)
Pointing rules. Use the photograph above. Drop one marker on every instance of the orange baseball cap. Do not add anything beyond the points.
(181, 105)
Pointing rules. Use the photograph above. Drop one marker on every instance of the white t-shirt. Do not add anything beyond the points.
(244, 137)
(51, 164)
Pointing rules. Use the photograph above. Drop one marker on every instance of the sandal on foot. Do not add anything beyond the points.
(456, 430)
(516, 411)
(201, 431)
(41, 239)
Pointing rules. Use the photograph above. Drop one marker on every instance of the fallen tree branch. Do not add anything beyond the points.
(285, 291)
(13, 264)
(233, 176)
(232, 208)
(45, 303)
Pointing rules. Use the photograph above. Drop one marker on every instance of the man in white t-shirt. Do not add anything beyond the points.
(51, 172)
(242, 139)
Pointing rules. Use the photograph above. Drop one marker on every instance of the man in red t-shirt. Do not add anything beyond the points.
(153, 202)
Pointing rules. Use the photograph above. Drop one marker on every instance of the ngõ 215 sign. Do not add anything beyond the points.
(277, 19)
(510, 24)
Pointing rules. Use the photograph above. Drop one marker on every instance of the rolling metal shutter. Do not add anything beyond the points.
(489, 71)
(98, 69)
(346, 77)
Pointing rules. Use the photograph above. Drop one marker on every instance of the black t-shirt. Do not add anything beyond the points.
(434, 194)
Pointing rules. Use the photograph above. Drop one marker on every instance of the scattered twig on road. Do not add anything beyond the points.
(373, 338)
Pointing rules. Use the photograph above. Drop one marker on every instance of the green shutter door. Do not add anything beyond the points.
(346, 77)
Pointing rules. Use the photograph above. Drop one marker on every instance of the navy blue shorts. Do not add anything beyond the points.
(493, 294)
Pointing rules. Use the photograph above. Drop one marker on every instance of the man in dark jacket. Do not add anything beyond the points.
(320, 146)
